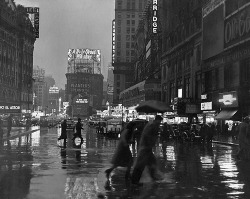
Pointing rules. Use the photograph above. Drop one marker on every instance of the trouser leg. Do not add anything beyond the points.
(136, 174)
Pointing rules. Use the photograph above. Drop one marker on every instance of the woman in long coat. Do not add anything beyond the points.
(123, 156)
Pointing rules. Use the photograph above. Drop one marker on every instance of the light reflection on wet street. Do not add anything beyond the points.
(34, 166)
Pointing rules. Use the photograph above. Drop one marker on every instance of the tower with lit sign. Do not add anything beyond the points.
(84, 88)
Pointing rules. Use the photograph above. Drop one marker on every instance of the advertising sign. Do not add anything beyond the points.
(155, 18)
(33, 13)
(237, 27)
(213, 36)
(206, 106)
(88, 54)
(53, 89)
(10, 109)
(228, 99)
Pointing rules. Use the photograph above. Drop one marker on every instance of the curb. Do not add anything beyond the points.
(225, 143)
(21, 134)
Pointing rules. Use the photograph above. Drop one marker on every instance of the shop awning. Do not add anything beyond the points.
(226, 115)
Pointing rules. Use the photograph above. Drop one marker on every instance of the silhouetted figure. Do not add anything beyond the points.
(63, 132)
(123, 156)
(78, 129)
(145, 155)
(9, 125)
(1, 130)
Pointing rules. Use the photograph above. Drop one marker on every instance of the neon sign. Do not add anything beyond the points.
(155, 9)
(228, 99)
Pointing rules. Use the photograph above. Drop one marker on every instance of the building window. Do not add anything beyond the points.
(198, 55)
(128, 30)
(208, 81)
(118, 37)
(127, 37)
(119, 29)
(187, 87)
(127, 59)
(172, 91)
(133, 22)
(127, 44)
(128, 22)
(132, 30)
(118, 77)
(198, 86)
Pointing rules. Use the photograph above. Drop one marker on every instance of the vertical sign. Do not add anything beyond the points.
(34, 17)
(155, 3)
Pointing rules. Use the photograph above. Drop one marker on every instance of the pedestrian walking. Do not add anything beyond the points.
(145, 155)
(63, 132)
(123, 156)
(9, 125)
(1, 130)
(78, 128)
(244, 139)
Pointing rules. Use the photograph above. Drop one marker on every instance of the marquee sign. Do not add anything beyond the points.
(10, 109)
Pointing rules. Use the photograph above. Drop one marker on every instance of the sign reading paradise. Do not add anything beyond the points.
(10, 109)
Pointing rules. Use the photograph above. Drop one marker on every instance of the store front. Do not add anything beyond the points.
(230, 112)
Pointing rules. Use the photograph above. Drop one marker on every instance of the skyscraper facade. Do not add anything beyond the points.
(127, 16)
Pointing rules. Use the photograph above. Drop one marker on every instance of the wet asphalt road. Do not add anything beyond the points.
(35, 167)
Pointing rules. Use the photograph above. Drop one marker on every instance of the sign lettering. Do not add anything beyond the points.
(155, 18)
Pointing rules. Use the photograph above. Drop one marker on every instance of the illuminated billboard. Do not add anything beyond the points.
(87, 54)
(84, 60)
(33, 13)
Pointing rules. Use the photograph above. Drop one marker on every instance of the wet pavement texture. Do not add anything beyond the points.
(33, 166)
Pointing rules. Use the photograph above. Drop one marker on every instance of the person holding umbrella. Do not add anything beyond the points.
(145, 155)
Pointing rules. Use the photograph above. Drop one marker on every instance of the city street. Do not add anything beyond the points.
(34, 166)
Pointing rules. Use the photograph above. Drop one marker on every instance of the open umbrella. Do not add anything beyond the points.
(153, 106)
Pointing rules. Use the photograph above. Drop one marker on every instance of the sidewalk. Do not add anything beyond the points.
(19, 131)
(226, 140)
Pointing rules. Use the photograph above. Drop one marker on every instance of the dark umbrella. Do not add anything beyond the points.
(153, 106)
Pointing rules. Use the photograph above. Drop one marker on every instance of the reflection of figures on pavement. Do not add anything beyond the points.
(244, 139)
(1, 131)
(63, 132)
(9, 125)
(123, 156)
(145, 155)
(63, 156)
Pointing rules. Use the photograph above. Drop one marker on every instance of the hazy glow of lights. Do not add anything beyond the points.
(207, 162)
(35, 138)
(170, 153)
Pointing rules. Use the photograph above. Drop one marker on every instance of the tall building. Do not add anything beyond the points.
(17, 40)
(84, 88)
(127, 16)
(38, 87)
(49, 82)
(110, 85)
